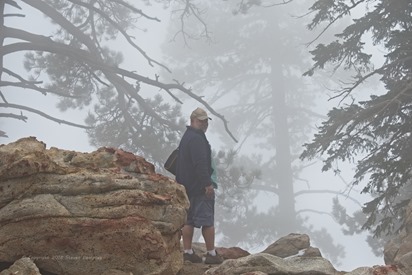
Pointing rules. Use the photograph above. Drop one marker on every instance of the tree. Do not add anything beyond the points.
(75, 60)
(374, 133)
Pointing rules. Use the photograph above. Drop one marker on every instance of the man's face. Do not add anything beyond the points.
(200, 124)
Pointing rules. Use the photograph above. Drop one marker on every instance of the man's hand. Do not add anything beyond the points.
(209, 191)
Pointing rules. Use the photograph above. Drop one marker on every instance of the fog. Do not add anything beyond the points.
(153, 41)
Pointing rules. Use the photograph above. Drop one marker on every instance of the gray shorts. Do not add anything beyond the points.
(201, 211)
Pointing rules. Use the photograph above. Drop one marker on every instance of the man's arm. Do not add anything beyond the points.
(198, 150)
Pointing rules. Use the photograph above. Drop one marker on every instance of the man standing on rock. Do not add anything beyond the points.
(194, 170)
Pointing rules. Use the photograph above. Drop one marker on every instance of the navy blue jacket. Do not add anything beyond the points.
(194, 162)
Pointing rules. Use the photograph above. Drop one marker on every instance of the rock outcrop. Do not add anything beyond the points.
(293, 255)
(108, 213)
(398, 251)
(270, 264)
(87, 213)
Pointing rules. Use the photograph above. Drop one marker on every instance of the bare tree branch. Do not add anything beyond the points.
(60, 121)
(121, 30)
(92, 56)
(303, 192)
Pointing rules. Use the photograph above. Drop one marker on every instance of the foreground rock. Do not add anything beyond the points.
(109, 213)
(270, 264)
(23, 266)
(398, 251)
(292, 255)
(87, 213)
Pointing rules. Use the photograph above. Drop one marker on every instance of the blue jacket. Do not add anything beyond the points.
(194, 168)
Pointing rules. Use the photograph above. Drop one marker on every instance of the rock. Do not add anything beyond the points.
(377, 270)
(398, 251)
(23, 266)
(86, 213)
(225, 252)
(116, 272)
(405, 262)
(270, 264)
(307, 262)
(289, 245)
(312, 252)
(232, 252)
(109, 212)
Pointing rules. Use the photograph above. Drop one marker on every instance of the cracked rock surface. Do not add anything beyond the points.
(86, 213)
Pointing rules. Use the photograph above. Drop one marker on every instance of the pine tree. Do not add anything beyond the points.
(374, 133)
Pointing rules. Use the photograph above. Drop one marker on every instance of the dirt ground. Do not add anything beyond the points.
(194, 269)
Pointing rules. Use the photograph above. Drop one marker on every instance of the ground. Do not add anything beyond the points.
(194, 269)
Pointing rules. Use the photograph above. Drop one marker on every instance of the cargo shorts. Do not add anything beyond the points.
(201, 211)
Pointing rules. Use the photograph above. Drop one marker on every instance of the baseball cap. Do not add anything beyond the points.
(200, 114)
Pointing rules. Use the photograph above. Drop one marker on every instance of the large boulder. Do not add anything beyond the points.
(86, 213)
(398, 251)
(289, 245)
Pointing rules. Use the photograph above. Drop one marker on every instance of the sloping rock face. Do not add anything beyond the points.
(270, 264)
(288, 245)
(290, 255)
(23, 266)
(293, 255)
(398, 251)
(86, 213)
(225, 252)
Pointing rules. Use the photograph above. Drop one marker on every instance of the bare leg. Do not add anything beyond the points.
(187, 236)
(208, 233)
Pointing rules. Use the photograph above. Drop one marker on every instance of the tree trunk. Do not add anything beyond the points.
(283, 176)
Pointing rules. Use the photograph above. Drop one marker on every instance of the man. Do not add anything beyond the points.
(194, 171)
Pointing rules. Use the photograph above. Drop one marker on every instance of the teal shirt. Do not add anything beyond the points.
(214, 175)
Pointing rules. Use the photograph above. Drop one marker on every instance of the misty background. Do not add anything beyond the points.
(242, 62)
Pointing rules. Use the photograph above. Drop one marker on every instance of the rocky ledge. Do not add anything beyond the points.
(108, 212)
(87, 213)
